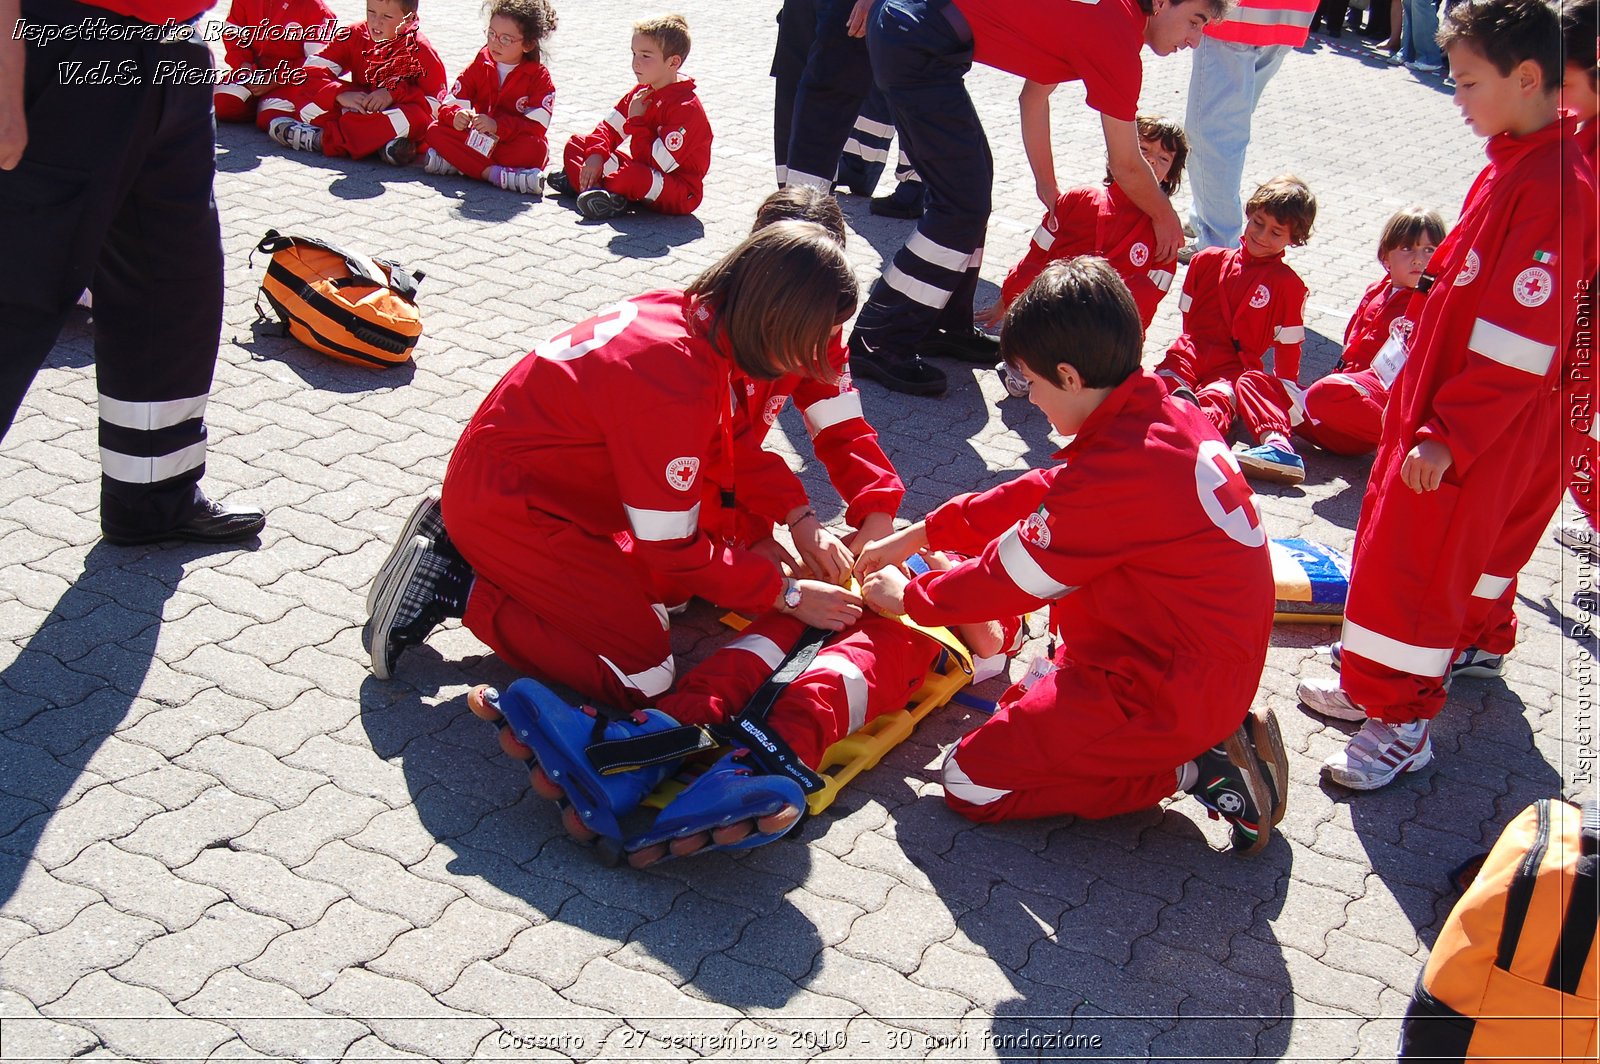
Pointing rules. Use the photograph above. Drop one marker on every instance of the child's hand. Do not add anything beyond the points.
(353, 100)
(826, 606)
(873, 526)
(991, 316)
(641, 100)
(891, 550)
(462, 120)
(589, 172)
(1425, 466)
(378, 101)
(885, 591)
(485, 124)
(821, 551)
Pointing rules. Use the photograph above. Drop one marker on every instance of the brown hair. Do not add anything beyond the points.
(671, 32)
(409, 6)
(1407, 226)
(1219, 8)
(777, 298)
(1508, 33)
(1288, 200)
(1077, 311)
(1578, 41)
(802, 203)
(1170, 135)
(535, 18)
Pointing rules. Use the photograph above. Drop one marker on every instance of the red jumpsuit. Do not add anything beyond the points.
(520, 105)
(603, 429)
(1148, 544)
(407, 66)
(270, 39)
(1435, 572)
(1236, 308)
(668, 150)
(1098, 220)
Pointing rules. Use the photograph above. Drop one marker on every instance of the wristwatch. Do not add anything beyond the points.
(791, 595)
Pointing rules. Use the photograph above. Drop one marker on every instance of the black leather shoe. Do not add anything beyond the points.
(209, 522)
(557, 179)
(911, 376)
(904, 202)
(971, 344)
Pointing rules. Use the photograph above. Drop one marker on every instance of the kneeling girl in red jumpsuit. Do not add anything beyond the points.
(606, 429)
(1147, 545)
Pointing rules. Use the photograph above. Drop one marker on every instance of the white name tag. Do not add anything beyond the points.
(1391, 356)
(481, 142)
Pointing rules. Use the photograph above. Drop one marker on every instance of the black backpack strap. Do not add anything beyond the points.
(1583, 909)
(1519, 892)
(391, 274)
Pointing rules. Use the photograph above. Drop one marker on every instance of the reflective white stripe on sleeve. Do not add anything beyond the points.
(1162, 279)
(325, 63)
(874, 129)
(275, 103)
(657, 183)
(539, 115)
(929, 295)
(1348, 381)
(855, 684)
(1490, 587)
(652, 682)
(791, 176)
(959, 785)
(615, 120)
(1510, 349)
(1185, 301)
(149, 416)
(662, 526)
(941, 256)
(662, 157)
(134, 469)
(1290, 334)
(1025, 572)
(1043, 238)
(826, 413)
(610, 166)
(762, 647)
(398, 120)
(1418, 661)
(237, 91)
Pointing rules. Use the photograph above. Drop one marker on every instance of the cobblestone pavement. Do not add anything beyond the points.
(222, 839)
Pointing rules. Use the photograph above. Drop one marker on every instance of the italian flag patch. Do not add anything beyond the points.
(1545, 257)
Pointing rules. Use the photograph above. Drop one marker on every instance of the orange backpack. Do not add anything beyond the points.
(340, 302)
(1513, 975)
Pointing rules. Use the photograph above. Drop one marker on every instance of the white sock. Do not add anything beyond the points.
(1276, 439)
(491, 174)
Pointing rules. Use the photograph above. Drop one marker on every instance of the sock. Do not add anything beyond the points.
(491, 174)
(1188, 776)
(1276, 439)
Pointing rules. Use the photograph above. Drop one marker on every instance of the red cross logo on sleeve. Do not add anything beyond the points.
(1234, 493)
(586, 336)
(1225, 496)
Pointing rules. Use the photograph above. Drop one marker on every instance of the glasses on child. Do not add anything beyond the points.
(505, 40)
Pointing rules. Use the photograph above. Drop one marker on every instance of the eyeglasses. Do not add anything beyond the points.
(505, 40)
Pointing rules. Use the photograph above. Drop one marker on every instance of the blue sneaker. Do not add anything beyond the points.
(561, 734)
(728, 793)
(1268, 461)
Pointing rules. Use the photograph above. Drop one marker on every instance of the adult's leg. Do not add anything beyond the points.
(797, 29)
(867, 151)
(1222, 94)
(828, 98)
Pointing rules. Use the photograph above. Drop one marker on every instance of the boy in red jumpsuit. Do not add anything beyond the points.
(1462, 486)
(266, 43)
(1343, 412)
(374, 90)
(1102, 220)
(1146, 543)
(494, 121)
(665, 129)
(1239, 303)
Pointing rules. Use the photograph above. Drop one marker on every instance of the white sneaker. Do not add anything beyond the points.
(1378, 753)
(1578, 536)
(437, 165)
(526, 182)
(296, 136)
(1327, 699)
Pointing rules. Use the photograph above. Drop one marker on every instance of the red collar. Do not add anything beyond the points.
(1142, 387)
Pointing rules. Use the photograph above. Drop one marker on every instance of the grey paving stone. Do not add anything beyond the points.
(168, 785)
(358, 770)
(294, 835)
(434, 956)
(404, 1015)
(251, 771)
(282, 731)
(217, 817)
(152, 1027)
(106, 813)
(557, 951)
(901, 933)
(307, 960)
(495, 882)
(379, 883)
(31, 1036)
(46, 966)
(139, 885)
(262, 885)
(179, 963)
(176, 728)
(294, 1029)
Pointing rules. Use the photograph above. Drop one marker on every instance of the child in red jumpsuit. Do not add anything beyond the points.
(1238, 304)
(374, 90)
(604, 429)
(1102, 220)
(665, 129)
(266, 44)
(494, 121)
(1147, 545)
(1468, 473)
(1343, 412)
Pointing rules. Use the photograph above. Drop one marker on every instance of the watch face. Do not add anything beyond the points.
(791, 596)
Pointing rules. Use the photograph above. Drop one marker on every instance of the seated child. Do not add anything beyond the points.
(494, 121)
(1468, 473)
(743, 799)
(1238, 304)
(668, 136)
(1102, 220)
(266, 44)
(1343, 412)
(374, 89)
(1147, 545)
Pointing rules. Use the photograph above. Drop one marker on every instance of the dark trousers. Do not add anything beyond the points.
(920, 61)
(797, 28)
(114, 194)
(828, 97)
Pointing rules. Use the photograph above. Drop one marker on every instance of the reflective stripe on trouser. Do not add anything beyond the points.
(920, 63)
(867, 150)
(860, 674)
(1425, 565)
(1344, 412)
(797, 28)
(828, 98)
(1067, 746)
(550, 598)
(134, 214)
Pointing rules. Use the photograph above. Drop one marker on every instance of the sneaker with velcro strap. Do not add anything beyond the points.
(1245, 781)
(426, 586)
(437, 165)
(526, 181)
(1378, 753)
(1327, 699)
(295, 135)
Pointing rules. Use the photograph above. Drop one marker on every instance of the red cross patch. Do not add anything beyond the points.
(682, 471)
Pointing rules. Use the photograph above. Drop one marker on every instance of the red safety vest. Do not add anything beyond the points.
(1263, 22)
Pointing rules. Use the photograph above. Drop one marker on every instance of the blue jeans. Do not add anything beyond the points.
(1225, 85)
(1420, 21)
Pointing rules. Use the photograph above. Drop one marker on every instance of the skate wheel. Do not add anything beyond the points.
(484, 701)
(514, 748)
(608, 852)
(543, 785)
